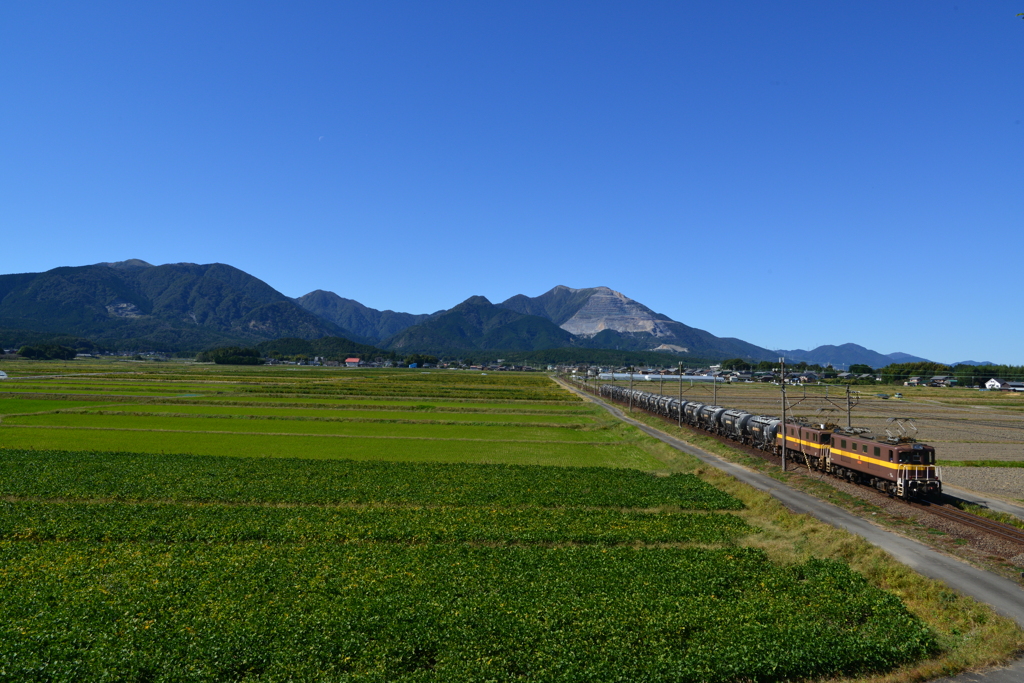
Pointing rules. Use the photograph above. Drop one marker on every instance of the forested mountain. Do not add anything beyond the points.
(174, 307)
(367, 324)
(477, 324)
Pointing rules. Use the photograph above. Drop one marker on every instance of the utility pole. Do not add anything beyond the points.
(714, 380)
(785, 437)
(849, 409)
(631, 388)
(680, 414)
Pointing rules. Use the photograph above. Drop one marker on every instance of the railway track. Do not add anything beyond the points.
(1000, 530)
(1006, 532)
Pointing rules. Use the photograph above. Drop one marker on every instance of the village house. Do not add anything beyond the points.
(353, 362)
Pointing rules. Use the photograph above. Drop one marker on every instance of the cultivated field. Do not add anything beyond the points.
(207, 523)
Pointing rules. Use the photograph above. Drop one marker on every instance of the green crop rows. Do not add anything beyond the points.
(316, 413)
(179, 523)
(136, 477)
(173, 523)
(391, 612)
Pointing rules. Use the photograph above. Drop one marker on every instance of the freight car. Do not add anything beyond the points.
(898, 466)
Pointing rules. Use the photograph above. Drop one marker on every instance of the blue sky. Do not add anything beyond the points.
(789, 173)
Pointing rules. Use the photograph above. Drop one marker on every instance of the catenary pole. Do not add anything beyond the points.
(849, 409)
(679, 410)
(785, 437)
(631, 388)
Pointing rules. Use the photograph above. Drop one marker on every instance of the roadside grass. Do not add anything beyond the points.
(981, 463)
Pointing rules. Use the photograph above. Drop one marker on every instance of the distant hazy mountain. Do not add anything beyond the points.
(600, 317)
(845, 355)
(370, 324)
(477, 324)
(973, 362)
(180, 306)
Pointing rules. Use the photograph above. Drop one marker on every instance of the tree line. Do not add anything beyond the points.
(47, 352)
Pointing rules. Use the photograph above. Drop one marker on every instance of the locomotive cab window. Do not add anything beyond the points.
(878, 451)
(844, 443)
(890, 455)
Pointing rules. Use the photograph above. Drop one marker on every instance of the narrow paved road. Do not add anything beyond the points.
(1003, 595)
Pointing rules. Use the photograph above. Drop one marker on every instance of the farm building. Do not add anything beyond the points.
(997, 385)
(353, 362)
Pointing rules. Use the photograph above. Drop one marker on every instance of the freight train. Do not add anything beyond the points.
(898, 466)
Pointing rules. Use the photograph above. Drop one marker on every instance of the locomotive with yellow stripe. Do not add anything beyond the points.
(898, 466)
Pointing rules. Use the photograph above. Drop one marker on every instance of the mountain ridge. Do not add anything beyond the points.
(476, 325)
(370, 324)
(174, 306)
(188, 307)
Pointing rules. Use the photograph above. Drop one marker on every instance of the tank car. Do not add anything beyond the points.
(760, 431)
(691, 412)
(733, 421)
(708, 418)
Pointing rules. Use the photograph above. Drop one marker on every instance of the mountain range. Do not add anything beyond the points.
(187, 307)
(845, 355)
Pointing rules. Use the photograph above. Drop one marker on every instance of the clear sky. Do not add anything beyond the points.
(789, 173)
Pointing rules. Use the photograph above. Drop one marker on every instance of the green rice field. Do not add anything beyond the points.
(174, 522)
